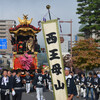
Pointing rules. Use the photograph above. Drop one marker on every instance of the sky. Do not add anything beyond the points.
(36, 9)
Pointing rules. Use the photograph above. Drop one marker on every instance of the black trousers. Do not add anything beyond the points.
(17, 96)
(96, 94)
(5, 97)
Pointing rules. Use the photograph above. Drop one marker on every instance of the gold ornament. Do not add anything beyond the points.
(24, 21)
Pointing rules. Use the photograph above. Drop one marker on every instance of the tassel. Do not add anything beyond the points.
(44, 19)
(39, 24)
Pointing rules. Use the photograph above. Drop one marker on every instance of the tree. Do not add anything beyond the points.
(86, 55)
(89, 11)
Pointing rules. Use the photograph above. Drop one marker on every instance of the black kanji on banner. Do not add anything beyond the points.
(54, 54)
(59, 86)
(51, 38)
(56, 69)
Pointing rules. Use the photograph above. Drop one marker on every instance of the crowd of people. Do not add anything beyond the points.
(12, 84)
(85, 84)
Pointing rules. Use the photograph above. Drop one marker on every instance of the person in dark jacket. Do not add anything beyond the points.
(89, 85)
(28, 81)
(50, 82)
(5, 85)
(46, 76)
(39, 84)
(13, 73)
(77, 82)
(17, 86)
(71, 87)
(96, 83)
(83, 85)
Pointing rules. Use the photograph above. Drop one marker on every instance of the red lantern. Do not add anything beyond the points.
(61, 39)
(21, 46)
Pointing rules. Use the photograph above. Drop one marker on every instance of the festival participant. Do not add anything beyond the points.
(5, 85)
(17, 86)
(39, 84)
(72, 74)
(96, 82)
(77, 82)
(9, 73)
(89, 85)
(46, 76)
(83, 85)
(13, 73)
(50, 83)
(71, 87)
(36, 72)
(28, 82)
(98, 74)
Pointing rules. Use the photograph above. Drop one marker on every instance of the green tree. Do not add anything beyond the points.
(89, 11)
(86, 54)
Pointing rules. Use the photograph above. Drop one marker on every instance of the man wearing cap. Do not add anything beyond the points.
(71, 87)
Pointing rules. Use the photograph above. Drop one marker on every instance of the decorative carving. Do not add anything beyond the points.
(30, 45)
(24, 21)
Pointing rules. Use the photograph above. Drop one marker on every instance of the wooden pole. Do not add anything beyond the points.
(71, 42)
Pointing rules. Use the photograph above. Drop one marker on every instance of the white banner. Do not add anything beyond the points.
(52, 42)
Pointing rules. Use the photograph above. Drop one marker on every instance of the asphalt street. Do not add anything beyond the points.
(47, 96)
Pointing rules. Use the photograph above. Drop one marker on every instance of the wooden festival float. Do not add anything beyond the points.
(25, 46)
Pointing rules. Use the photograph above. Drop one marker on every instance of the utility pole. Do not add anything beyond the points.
(70, 37)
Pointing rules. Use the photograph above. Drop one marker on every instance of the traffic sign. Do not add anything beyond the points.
(3, 43)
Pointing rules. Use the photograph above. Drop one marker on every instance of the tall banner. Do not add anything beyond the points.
(53, 48)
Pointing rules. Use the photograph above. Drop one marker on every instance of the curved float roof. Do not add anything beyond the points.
(24, 28)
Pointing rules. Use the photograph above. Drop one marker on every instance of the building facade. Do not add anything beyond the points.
(5, 40)
(5, 43)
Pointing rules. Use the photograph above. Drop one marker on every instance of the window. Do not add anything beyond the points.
(2, 29)
(2, 36)
(2, 52)
(2, 21)
(2, 25)
(2, 33)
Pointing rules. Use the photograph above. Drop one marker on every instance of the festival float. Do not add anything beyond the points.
(25, 44)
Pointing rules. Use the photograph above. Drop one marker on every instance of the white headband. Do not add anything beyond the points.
(66, 68)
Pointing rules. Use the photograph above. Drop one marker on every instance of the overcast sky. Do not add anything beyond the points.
(36, 9)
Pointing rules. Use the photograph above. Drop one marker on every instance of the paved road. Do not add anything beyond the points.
(47, 95)
(32, 96)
